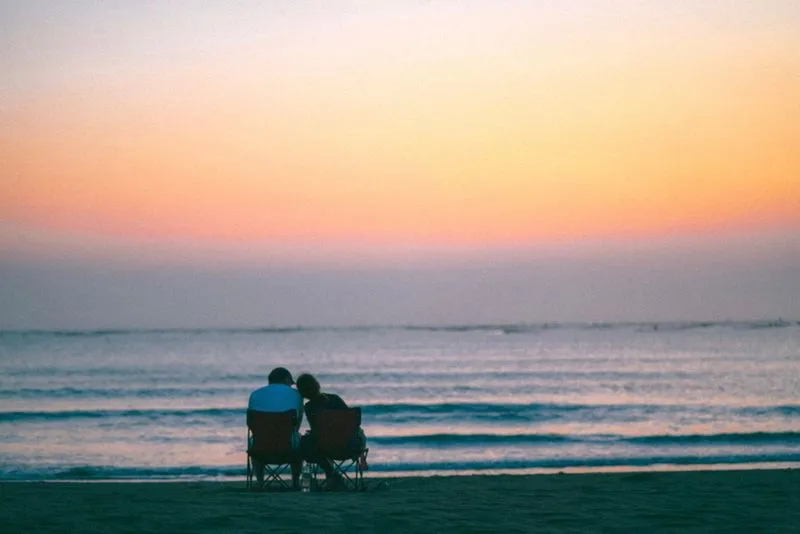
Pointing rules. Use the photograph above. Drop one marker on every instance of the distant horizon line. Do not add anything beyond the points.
(503, 327)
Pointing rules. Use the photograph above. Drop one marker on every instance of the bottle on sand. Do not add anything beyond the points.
(305, 478)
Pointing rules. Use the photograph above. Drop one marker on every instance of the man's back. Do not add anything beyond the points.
(276, 398)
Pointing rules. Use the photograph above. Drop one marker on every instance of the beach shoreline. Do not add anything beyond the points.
(87, 474)
(753, 500)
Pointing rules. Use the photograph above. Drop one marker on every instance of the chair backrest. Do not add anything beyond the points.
(337, 432)
(272, 431)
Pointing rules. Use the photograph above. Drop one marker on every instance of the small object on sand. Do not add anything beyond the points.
(381, 486)
(305, 478)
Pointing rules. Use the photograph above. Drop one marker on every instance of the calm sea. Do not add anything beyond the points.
(171, 404)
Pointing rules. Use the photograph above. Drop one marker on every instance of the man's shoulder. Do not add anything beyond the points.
(276, 388)
(283, 389)
(262, 391)
(275, 391)
(259, 390)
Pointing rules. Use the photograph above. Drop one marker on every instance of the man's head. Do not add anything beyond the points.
(308, 386)
(280, 375)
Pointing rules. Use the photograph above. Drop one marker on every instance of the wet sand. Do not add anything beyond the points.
(712, 501)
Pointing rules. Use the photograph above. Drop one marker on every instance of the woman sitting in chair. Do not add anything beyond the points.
(309, 388)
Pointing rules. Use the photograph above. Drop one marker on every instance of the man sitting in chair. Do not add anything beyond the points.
(309, 388)
(279, 396)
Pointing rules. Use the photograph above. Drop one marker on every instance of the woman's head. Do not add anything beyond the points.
(307, 386)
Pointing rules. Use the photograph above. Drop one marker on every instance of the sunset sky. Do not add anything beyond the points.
(398, 161)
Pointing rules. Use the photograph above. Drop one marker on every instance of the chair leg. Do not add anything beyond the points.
(361, 466)
(249, 480)
(275, 475)
(351, 472)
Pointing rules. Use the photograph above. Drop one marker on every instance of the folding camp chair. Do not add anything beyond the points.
(338, 438)
(269, 435)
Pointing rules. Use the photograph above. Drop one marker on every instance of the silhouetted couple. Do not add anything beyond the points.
(279, 396)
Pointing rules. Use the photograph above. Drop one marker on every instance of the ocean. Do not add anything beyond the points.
(170, 404)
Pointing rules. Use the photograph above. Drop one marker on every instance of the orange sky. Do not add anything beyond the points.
(521, 125)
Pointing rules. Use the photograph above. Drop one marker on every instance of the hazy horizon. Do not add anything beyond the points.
(694, 279)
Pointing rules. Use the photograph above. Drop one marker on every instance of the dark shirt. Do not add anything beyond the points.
(325, 401)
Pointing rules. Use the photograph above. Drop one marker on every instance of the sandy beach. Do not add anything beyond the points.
(713, 501)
